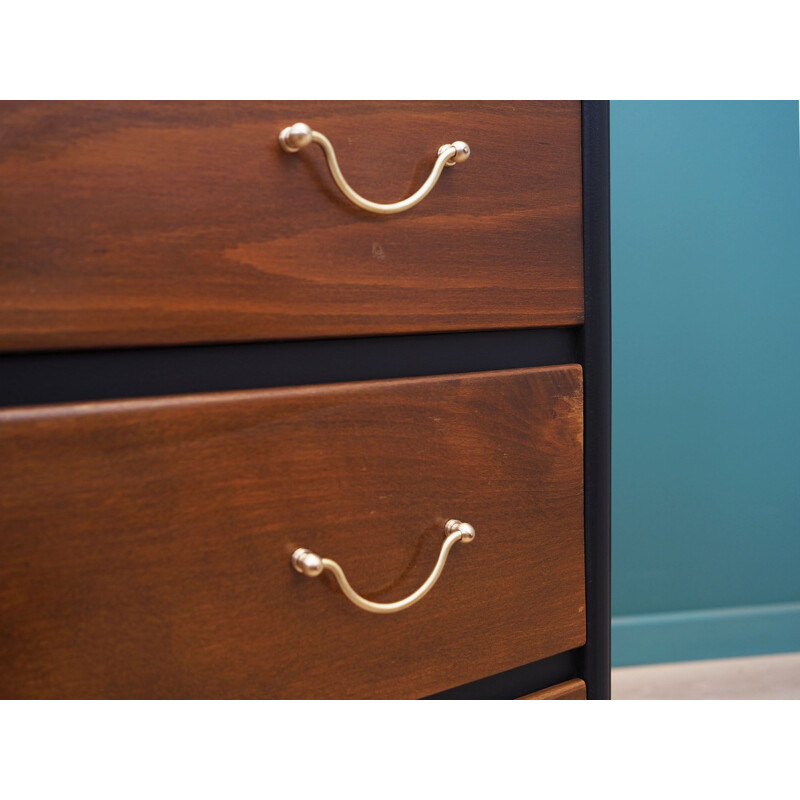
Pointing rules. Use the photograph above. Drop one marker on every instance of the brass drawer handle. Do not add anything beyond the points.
(312, 565)
(300, 135)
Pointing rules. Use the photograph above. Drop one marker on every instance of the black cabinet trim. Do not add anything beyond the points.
(518, 682)
(596, 359)
(78, 376)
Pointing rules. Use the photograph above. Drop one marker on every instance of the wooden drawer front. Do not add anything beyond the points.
(146, 544)
(569, 690)
(132, 223)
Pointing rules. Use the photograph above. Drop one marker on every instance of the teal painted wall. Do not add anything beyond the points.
(705, 232)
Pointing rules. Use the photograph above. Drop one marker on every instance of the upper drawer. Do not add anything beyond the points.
(146, 545)
(133, 223)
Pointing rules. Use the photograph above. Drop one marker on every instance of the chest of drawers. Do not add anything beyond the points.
(213, 361)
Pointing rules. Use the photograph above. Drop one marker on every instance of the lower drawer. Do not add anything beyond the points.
(569, 690)
(146, 544)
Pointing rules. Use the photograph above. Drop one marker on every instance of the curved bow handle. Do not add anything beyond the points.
(300, 135)
(312, 565)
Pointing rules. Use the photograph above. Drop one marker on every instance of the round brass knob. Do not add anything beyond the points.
(295, 137)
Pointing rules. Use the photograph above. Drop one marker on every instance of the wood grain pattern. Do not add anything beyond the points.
(137, 223)
(145, 544)
(569, 690)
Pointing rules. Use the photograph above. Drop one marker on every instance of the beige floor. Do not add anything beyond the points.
(754, 678)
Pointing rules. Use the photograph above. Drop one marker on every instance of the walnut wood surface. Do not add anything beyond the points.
(145, 544)
(137, 223)
(569, 690)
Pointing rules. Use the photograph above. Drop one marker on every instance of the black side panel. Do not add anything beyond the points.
(596, 347)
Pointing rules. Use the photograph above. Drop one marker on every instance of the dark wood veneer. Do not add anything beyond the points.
(145, 544)
(139, 223)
